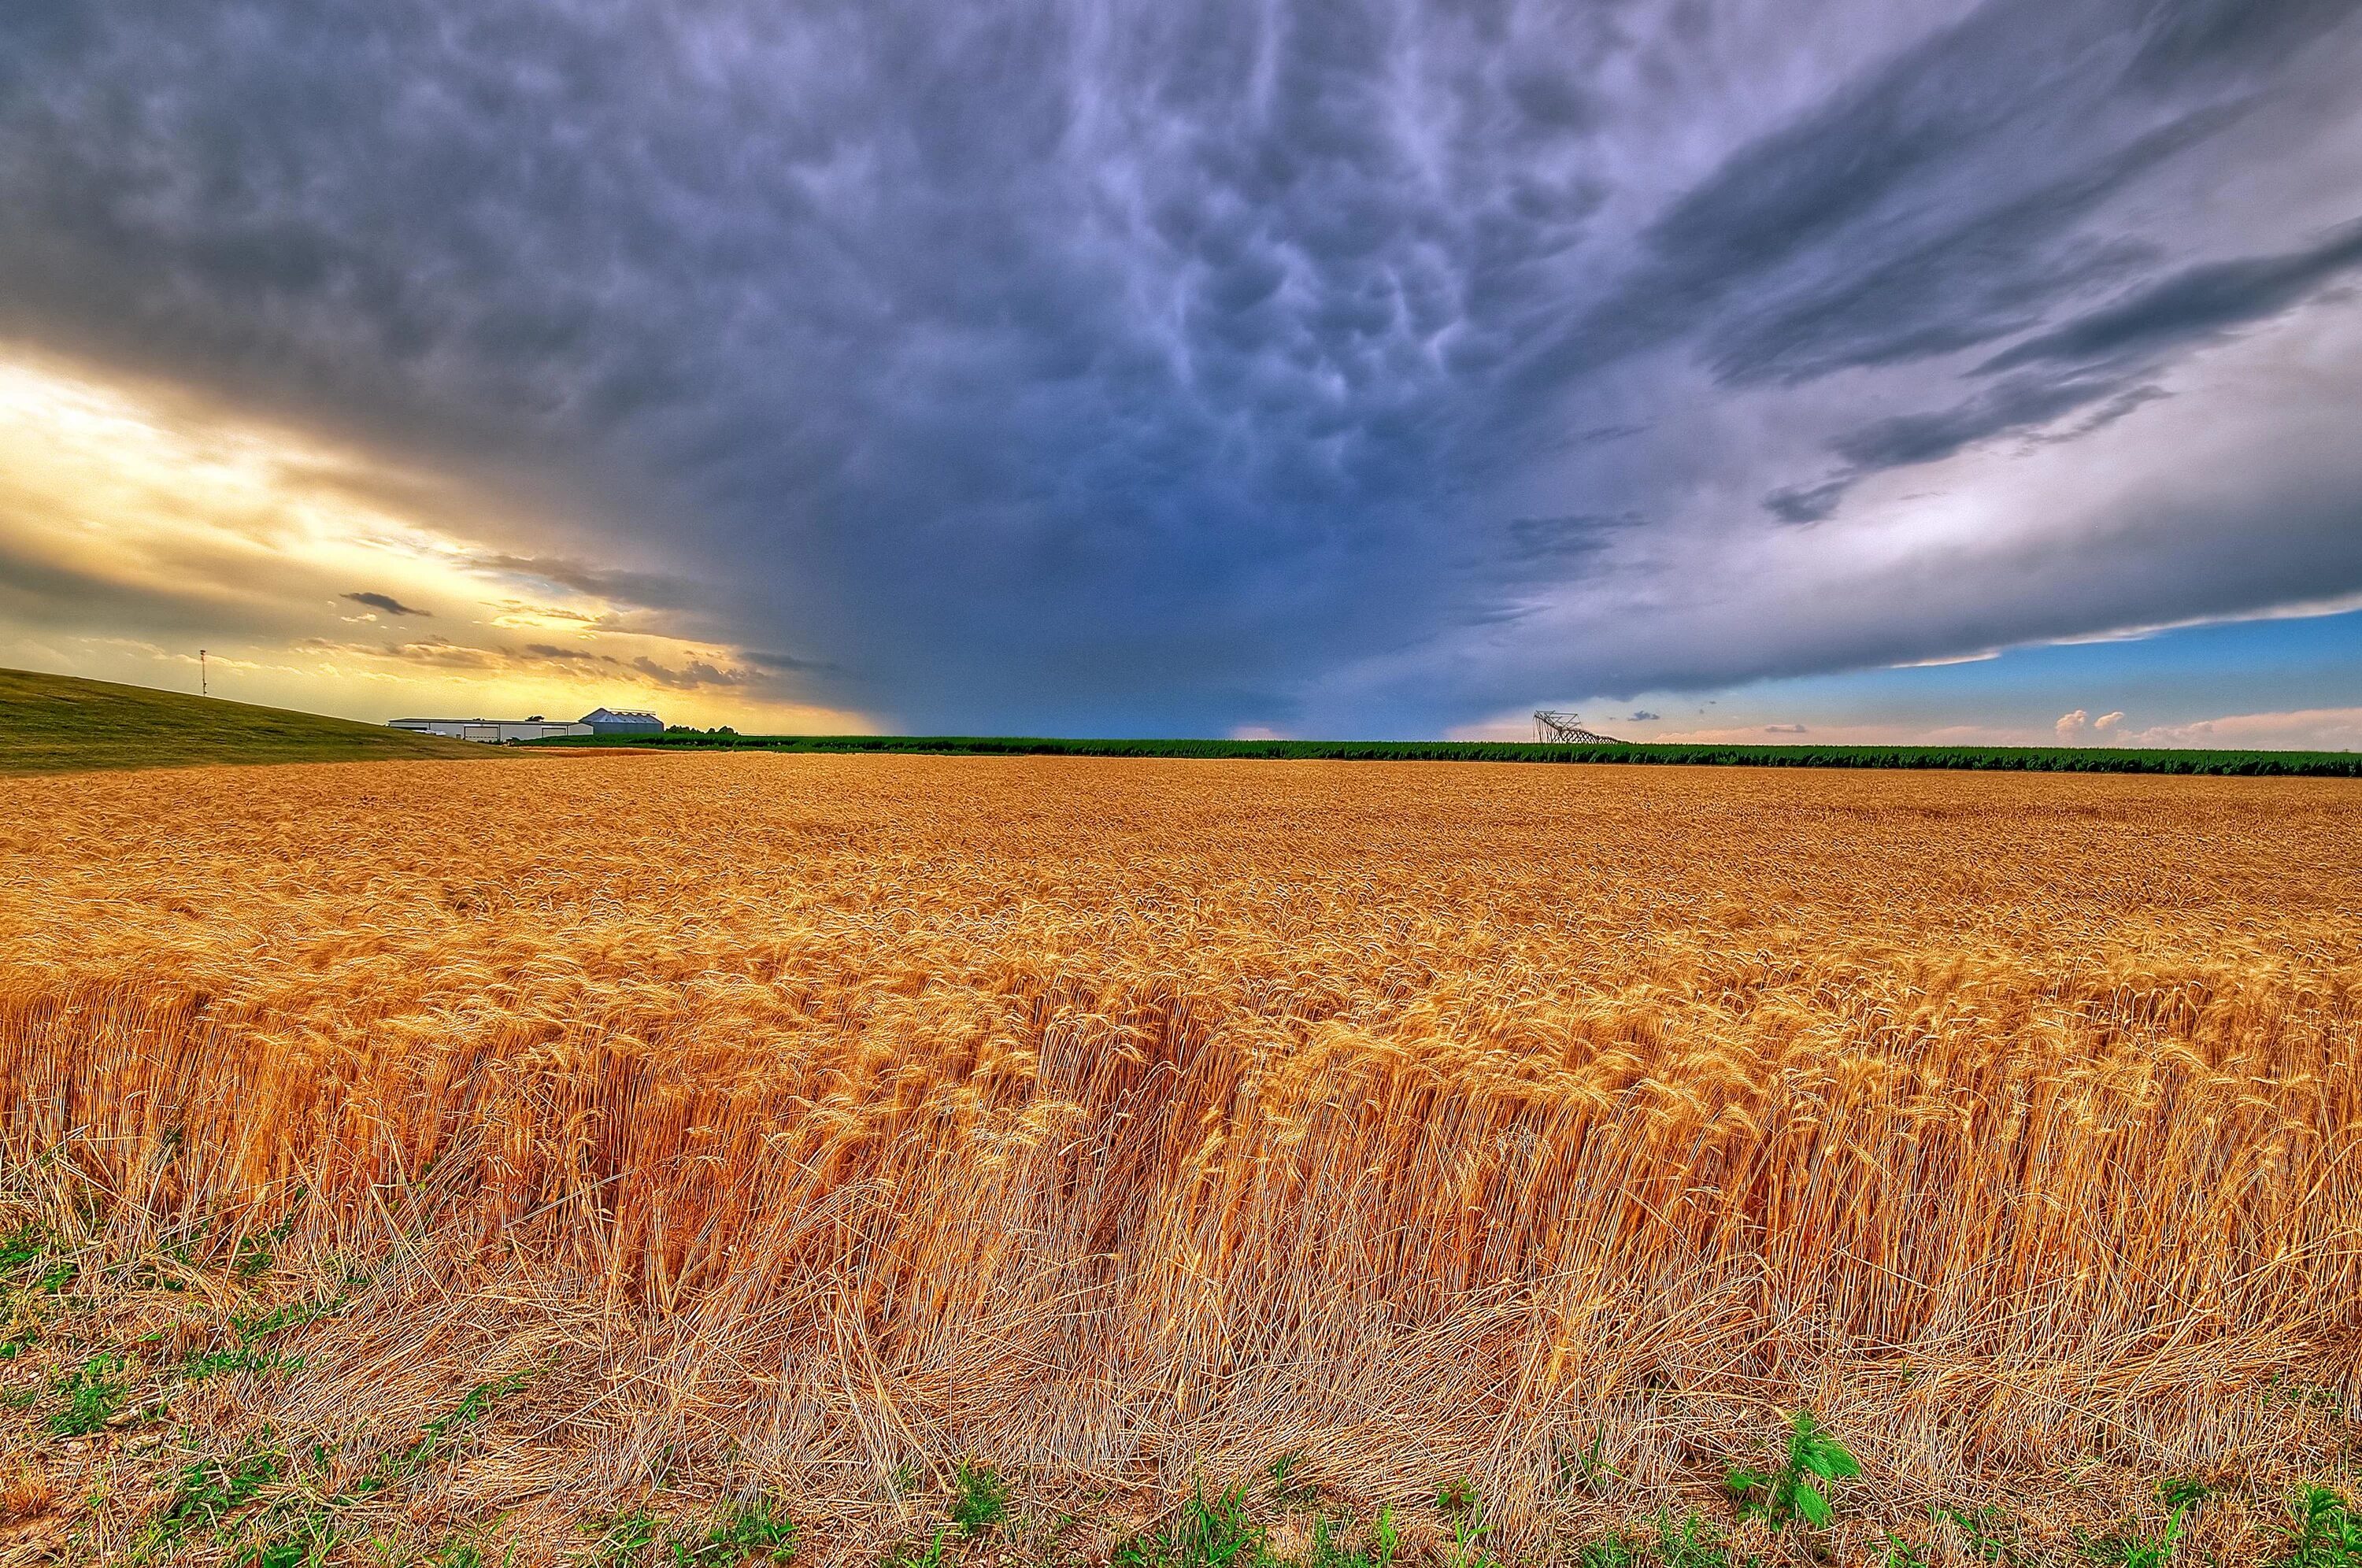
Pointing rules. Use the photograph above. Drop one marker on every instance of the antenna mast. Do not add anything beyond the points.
(204, 687)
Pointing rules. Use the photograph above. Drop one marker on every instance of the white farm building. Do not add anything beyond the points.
(598, 721)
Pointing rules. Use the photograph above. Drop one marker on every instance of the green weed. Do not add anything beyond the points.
(305, 1545)
(1329, 1549)
(246, 1353)
(92, 1393)
(473, 1406)
(1468, 1527)
(279, 1319)
(910, 1556)
(2326, 1532)
(2135, 1551)
(2303, 1394)
(20, 1246)
(1615, 1552)
(1793, 1490)
(1215, 1533)
(257, 1253)
(27, 1246)
(198, 1366)
(981, 1499)
(1586, 1468)
(211, 1489)
(625, 1537)
(1694, 1544)
(758, 1532)
(1985, 1532)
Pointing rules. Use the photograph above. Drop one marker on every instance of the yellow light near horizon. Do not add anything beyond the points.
(146, 519)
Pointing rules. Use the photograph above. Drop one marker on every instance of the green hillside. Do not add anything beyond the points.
(58, 724)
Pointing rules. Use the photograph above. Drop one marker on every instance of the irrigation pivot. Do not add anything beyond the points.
(1559, 729)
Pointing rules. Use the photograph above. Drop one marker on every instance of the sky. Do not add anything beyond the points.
(1820, 370)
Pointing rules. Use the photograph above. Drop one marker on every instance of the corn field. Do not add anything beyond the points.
(805, 1126)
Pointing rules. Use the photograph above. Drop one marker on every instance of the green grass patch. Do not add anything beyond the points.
(1209, 1532)
(2138, 1548)
(211, 1490)
(742, 1534)
(2027, 759)
(24, 1245)
(979, 1500)
(89, 1396)
(442, 1432)
(59, 723)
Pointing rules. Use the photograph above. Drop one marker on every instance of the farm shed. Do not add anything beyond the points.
(622, 722)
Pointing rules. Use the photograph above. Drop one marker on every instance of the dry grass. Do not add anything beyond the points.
(803, 1125)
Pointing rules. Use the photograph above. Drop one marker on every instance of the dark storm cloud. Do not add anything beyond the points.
(441, 653)
(2015, 404)
(787, 663)
(1937, 202)
(1807, 503)
(2094, 361)
(2195, 305)
(690, 676)
(1036, 367)
(1534, 540)
(385, 601)
(652, 590)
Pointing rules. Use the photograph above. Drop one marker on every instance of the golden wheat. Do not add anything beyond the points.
(797, 1120)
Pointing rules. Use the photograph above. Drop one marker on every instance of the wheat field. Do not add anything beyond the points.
(652, 1133)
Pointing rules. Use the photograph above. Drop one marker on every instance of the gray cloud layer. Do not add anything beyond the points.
(1232, 362)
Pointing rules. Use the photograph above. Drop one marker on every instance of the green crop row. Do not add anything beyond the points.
(2039, 759)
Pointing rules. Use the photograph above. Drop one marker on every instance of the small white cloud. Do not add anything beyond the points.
(2071, 727)
(2107, 724)
(1783, 729)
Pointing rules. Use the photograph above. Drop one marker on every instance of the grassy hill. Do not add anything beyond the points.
(59, 723)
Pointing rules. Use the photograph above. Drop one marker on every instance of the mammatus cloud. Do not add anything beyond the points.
(385, 601)
(1369, 368)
